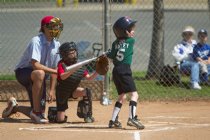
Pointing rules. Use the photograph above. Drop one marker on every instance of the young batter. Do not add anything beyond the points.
(121, 54)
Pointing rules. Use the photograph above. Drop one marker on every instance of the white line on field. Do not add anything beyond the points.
(152, 126)
(169, 117)
(177, 123)
(79, 127)
(136, 134)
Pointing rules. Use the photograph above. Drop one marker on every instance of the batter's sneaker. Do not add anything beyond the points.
(135, 122)
(11, 108)
(38, 118)
(115, 124)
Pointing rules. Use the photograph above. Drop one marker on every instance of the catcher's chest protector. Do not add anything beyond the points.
(84, 108)
(70, 84)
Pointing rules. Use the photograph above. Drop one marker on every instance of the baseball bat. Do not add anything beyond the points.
(82, 63)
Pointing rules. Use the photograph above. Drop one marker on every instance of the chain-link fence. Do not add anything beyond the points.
(158, 30)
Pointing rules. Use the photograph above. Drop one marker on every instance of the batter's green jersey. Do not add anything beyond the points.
(122, 51)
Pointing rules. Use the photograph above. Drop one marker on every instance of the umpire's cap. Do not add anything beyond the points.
(45, 20)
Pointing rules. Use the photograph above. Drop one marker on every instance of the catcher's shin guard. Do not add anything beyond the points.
(89, 99)
(84, 108)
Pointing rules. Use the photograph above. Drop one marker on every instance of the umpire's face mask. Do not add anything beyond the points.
(55, 27)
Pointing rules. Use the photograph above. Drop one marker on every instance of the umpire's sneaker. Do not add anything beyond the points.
(115, 124)
(38, 118)
(11, 108)
(135, 122)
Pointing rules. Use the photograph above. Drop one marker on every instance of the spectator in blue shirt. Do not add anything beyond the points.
(201, 53)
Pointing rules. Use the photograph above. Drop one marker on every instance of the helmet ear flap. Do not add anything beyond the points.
(119, 32)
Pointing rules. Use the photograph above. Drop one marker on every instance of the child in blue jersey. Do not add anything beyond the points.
(121, 54)
(201, 53)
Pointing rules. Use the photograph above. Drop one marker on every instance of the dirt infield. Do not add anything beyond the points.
(163, 121)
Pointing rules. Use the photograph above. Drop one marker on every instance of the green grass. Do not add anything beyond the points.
(150, 90)
(7, 77)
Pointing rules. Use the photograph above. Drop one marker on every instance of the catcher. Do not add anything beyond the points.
(67, 86)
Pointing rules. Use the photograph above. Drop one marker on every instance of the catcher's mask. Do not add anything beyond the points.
(53, 24)
(122, 25)
(68, 52)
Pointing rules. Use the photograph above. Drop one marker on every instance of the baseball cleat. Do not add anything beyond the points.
(115, 124)
(135, 122)
(11, 108)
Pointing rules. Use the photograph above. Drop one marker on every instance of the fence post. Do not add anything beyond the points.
(106, 27)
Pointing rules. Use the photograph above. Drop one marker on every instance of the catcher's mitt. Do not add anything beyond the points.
(102, 65)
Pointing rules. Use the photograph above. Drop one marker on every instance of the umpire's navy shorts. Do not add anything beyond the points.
(23, 76)
(123, 80)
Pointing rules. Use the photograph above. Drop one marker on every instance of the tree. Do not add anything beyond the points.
(209, 5)
(156, 60)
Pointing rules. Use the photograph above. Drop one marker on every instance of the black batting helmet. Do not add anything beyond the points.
(121, 25)
(64, 50)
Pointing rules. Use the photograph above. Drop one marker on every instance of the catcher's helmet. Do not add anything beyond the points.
(121, 25)
(64, 50)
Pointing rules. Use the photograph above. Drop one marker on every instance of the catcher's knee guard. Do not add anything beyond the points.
(84, 108)
(52, 115)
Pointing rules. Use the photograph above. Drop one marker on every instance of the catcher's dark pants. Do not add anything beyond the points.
(122, 77)
(65, 89)
(23, 76)
(62, 99)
